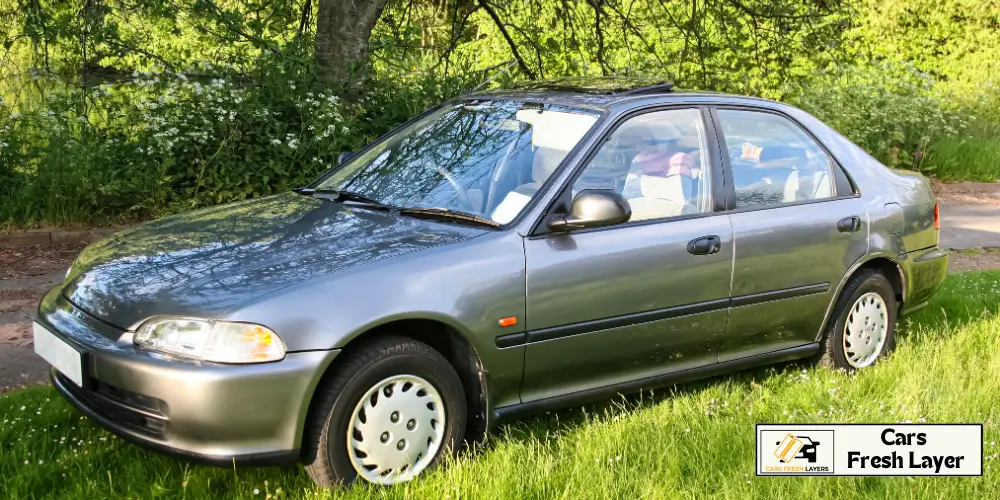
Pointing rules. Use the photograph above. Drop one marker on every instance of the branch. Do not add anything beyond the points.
(538, 50)
(456, 35)
(481, 86)
(510, 42)
(132, 48)
(747, 10)
(627, 23)
(598, 6)
(260, 42)
(304, 18)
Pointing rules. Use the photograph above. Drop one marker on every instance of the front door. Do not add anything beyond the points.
(635, 300)
(799, 226)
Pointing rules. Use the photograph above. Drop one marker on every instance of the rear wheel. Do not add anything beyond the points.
(862, 327)
(391, 411)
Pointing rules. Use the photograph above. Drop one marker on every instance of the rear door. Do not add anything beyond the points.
(622, 303)
(798, 227)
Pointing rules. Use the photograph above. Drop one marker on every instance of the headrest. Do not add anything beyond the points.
(544, 163)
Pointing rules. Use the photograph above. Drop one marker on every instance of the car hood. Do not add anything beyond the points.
(207, 262)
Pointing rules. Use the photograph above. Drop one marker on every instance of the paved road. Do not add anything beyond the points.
(970, 226)
(963, 226)
(19, 365)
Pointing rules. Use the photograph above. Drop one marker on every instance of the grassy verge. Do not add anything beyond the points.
(694, 441)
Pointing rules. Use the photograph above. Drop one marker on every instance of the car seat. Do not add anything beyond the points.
(543, 164)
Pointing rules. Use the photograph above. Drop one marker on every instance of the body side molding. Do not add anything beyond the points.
(557, 332)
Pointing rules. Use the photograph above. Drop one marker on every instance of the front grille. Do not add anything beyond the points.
(129, 409)
(130, 398)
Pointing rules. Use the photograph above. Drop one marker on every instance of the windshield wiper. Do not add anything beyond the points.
(448, 214)
(435, 212)
(335, 195)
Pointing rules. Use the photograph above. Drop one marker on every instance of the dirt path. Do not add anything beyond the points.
(968, 193)
(25, 274)
(984, 259)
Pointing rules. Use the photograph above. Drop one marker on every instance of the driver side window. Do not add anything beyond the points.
(658, 162)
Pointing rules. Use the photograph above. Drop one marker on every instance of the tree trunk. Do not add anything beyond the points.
(343, 28)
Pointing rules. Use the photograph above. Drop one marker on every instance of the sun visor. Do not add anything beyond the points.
(557, 130)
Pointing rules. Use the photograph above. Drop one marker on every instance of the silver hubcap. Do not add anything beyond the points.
(396, 429)
(865, 331)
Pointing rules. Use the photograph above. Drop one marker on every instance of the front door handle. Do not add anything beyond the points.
(850, 224)
(705, 245)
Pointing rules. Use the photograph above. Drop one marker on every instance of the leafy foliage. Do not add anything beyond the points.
(888, 109)
(129, 109)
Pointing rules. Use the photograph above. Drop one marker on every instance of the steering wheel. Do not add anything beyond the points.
(458, 189)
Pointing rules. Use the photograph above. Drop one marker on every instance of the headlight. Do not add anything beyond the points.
(218, 341)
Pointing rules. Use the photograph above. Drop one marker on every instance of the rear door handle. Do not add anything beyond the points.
(705, 245)
(850, 224)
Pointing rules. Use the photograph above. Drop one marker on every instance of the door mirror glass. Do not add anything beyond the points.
(343, 157)
(593, 208)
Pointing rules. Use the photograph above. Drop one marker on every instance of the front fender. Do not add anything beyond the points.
(467, 286)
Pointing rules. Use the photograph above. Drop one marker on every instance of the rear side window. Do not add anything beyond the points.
(773, 160)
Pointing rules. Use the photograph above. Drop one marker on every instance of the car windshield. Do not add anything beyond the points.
(487, 158)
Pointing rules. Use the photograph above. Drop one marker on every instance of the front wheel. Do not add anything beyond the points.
(862, 327)
(391, 411)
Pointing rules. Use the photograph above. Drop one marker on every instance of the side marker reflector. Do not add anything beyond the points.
(507, 321)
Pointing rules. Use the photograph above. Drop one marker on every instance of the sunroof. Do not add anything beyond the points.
(599, 85)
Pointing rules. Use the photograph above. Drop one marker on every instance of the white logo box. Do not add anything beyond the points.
(869, 449)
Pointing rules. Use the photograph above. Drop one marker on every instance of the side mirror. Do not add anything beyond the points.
(342, 157)
(593, 208)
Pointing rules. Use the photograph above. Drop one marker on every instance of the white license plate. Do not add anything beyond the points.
(59, 354)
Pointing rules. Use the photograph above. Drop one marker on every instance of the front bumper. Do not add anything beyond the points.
(207, 412)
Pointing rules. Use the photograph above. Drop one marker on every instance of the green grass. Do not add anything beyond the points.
(692, 442)
(965, 159)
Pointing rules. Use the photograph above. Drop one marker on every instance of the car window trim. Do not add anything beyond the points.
(791, 204)
(839, 172)
(538, 230)
(728, 187)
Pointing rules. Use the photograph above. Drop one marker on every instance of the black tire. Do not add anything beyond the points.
(832, 353)
(325, 438)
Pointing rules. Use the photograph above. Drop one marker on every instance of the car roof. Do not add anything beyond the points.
(605, 93)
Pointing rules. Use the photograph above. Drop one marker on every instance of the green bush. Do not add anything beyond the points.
(892, 111)
(158, 143)
(164, 142)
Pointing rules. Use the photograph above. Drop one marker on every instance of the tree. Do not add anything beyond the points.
(343, 28)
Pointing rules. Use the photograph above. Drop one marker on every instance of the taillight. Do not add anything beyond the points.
(937, 216)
